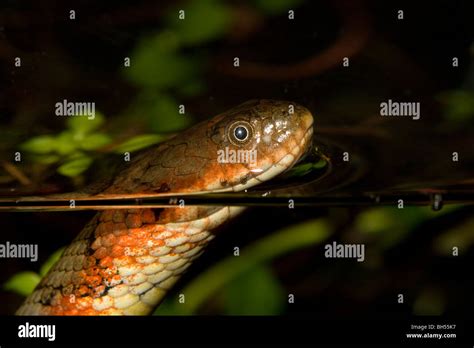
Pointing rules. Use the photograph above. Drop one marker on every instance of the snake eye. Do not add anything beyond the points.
(240, 133)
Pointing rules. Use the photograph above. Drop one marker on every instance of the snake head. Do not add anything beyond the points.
(233, 151)
(258, 140)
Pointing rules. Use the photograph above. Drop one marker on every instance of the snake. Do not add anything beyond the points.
(124, 261)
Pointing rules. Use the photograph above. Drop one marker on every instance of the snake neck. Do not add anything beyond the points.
(124, 261)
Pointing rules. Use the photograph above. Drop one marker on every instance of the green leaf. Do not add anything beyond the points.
(161, 111)
(75, 166)
(46, 159)
(156, 63)
(459, 235)
(65, 143)
(191, 88)
(95, 141)
(45, 267)
(300, 170)
(22, 283)
(390, 225)
(42, 144)
(255, 292)
(458, 104)
(165, 117)
(306, 168)
(170, 306)
(82, 125)
(320, 164)
(275, 7)
(205, 20)
(138, 142)
(375, 220)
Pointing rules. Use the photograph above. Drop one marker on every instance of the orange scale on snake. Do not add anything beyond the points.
(100, 229)
(116, 251)
(106, 262)
(101, 253)
(119, 229)
(123, 260)
(107, 215)
(108, 240)
(106, 228)
(119, 215)
(96, 244)
(135, 251)
(83, 290)
(141, 233)
(133, 220)
(125, 240)
(148, 216)
(93, 271)
(146, 230)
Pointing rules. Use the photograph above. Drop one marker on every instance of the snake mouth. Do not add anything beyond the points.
(290, 159)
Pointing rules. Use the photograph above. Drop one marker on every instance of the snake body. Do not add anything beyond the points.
(125, 260)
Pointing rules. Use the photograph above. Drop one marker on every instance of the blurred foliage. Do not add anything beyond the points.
(429, 302)
(275, 7)
(75, 165)
(226, 272)
(193, 30)
(78, 136)
(71, 146)
(256, 292)
(461, 236)
(161, 111)
(23, 283)
(389, 225)
(162, 65)
(458, 105)
(73, 149)
(157, 62)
